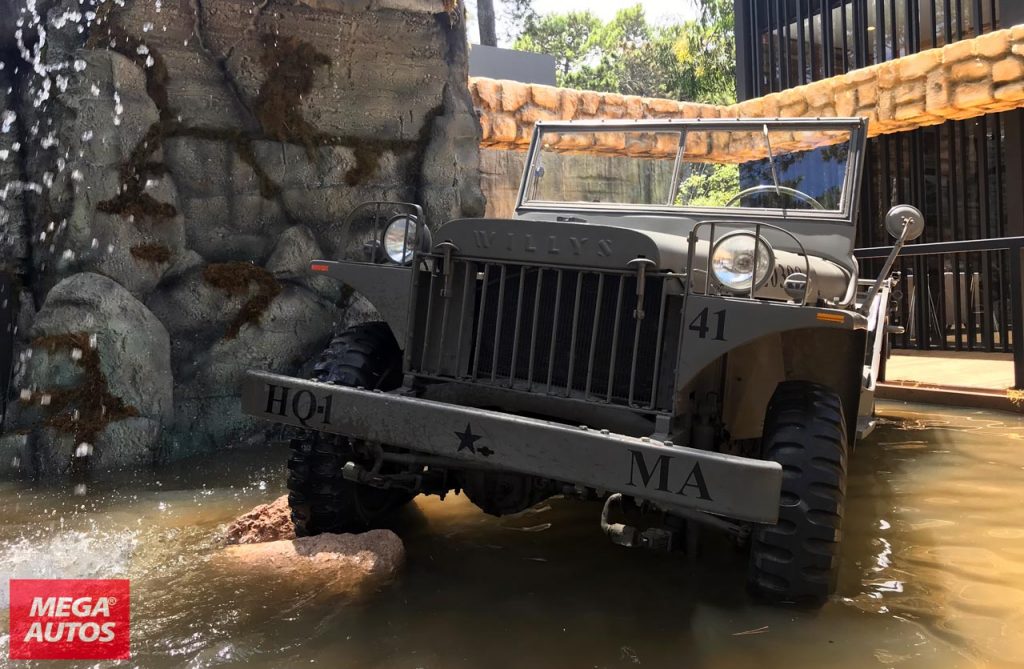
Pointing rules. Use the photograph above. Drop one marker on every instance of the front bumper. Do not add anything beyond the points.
(668, 476)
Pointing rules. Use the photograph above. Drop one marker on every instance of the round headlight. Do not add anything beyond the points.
(400, 239)
(733, 261)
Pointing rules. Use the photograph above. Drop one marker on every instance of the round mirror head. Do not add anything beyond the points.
(904, 214)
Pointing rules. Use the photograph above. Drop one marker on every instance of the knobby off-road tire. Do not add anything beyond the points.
(321, 499)
(797, 559)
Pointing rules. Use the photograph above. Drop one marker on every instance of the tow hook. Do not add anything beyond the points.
(653, 538)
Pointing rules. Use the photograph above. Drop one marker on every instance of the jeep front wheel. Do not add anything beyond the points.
(320, 498)
(797, 559)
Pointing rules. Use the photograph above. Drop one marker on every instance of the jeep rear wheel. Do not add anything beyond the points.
(321, 499)
(797, 559)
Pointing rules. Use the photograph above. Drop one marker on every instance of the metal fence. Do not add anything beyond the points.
(958, 296)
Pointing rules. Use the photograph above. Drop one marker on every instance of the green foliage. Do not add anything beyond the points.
(693, 60)
(710, 186)
(570, 38)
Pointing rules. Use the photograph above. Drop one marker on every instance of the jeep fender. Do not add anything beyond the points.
(385, 286)
(769, 342)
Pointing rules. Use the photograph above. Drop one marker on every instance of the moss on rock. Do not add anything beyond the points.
(236, 279)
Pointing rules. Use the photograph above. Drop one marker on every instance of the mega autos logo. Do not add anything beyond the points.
(70, 619)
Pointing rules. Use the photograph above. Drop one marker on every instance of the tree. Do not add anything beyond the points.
(485, 17)
(567, 37)
(518, 15)
(694, 60)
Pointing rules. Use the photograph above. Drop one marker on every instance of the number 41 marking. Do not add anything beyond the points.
(700, 324)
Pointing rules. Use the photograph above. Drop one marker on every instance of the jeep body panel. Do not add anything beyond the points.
(518, 333)
(666, 475)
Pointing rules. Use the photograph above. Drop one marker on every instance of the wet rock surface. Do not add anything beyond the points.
(344, 563)
(267, 522)
(161, 147)
(97, 386)
(263, 541)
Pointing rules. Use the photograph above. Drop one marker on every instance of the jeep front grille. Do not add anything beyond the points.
(559, 331)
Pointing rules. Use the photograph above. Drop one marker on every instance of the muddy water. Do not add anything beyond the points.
(932, 576)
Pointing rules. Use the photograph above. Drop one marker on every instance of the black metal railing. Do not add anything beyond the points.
(787, 43)
(958, 296)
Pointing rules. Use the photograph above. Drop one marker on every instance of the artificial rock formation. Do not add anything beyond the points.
(266, 522)
(262, 542)
(195, 155)
(961, 80)
(350, 565)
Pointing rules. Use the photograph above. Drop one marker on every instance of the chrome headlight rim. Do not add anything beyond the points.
(414, 237)
(759, 243)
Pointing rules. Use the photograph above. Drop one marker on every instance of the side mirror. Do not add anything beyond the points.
(904, 215)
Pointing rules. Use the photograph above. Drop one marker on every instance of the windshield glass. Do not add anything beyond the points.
(756, 166)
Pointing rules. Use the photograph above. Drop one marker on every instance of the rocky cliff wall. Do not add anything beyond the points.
(170, 167)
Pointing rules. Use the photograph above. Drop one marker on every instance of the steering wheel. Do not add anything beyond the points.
(784, 190)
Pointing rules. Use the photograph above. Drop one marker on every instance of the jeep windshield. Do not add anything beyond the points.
(772, 167)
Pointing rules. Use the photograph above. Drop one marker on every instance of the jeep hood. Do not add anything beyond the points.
(578, 243)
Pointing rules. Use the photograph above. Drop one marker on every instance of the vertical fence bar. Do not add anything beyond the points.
(810, 42)
(1017, 300)
(771, 52)
(828, 56)
(846, 46)
(754, 37)
(783, 58)
(801, 50)
(879, 31)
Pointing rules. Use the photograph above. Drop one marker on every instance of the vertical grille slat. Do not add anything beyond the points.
(560, 331)
(593, 335)
(515, 331)
(615, 339)
(658, 346)
(467, 294)
(430, 309)
(482, 316)
(575, 329)
(554, 334)
(497, 328)
(533, 330)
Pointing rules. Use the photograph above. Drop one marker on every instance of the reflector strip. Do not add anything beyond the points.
(318, 268)
(831, 318)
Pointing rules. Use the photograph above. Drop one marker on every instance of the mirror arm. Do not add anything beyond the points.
(897, 246)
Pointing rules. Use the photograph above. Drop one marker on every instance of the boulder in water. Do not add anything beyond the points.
(267, 522)
(263, 542)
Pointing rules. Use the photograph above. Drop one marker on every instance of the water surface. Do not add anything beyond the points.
(932, 572)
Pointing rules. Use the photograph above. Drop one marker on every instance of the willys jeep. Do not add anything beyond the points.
(673, 320)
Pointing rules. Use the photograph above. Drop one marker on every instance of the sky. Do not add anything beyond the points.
(657, 11)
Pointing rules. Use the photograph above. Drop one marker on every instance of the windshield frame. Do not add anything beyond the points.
(857, 128)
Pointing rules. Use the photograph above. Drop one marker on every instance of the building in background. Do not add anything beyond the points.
(967, 176)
